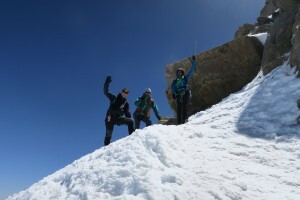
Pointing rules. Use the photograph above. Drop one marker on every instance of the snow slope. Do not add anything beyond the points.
(246, 147)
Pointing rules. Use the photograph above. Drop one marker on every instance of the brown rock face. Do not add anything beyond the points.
(244, 30)
(219, 72)
(286, 5)
(295, 53)
(279, 41)
(268, 9)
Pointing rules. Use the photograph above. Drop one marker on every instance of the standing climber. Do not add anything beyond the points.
(116, 111)
(142, 113)
(181, 93)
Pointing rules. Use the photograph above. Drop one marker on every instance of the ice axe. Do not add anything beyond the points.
(195, 50)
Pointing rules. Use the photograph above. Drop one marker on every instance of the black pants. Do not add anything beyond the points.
(182, 107)
(111, 121)
(138, 118)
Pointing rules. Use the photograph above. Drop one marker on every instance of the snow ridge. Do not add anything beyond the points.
(246, 147)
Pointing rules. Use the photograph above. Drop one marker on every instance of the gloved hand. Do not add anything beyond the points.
(143, 98)
(108, 79)
(193, 57)
(173, 96)
(158, 117)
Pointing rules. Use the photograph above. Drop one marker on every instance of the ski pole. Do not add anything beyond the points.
(195, 50)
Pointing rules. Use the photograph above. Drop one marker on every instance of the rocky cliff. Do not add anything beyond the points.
(283, 40)
(229, 67)
(219, 71)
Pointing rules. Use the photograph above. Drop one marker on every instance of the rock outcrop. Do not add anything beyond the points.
(219, 72)
(268, 9)
(295, 53)
(279, 41)
(281, 20)
(227, 68)
(286, 5)
(244, 30)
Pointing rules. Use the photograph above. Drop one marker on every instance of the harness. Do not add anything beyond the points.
(181, 90)
(146, 107)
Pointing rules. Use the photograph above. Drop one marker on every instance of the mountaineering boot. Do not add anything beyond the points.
(106, 141)
(107, 137)
(130, 127)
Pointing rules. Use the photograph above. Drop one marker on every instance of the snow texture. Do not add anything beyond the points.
(246, 147)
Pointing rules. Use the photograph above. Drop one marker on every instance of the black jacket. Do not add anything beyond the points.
(118, 105)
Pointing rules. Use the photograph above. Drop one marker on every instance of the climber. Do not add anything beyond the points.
(181, 92)
(144, 104)
(116, 111)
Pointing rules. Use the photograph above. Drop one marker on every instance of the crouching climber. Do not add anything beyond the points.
(142, 113)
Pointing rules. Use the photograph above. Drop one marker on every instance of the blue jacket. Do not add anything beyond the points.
(180, 84)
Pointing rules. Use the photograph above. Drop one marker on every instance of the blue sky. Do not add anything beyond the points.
(55, 55)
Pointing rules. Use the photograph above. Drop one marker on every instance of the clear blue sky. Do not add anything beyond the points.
(55, 55)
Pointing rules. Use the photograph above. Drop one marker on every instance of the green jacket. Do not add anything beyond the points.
(144, 104)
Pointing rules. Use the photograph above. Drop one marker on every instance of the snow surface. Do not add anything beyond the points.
(262, 37)
(246, 147)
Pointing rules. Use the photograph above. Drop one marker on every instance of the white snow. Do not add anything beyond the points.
(246, 147)
(262, 37)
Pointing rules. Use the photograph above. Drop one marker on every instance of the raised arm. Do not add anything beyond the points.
(109, 95)
(193, 67)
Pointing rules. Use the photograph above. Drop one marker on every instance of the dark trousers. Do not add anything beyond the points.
(139, 118)
(111, 121)
(182, 107)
